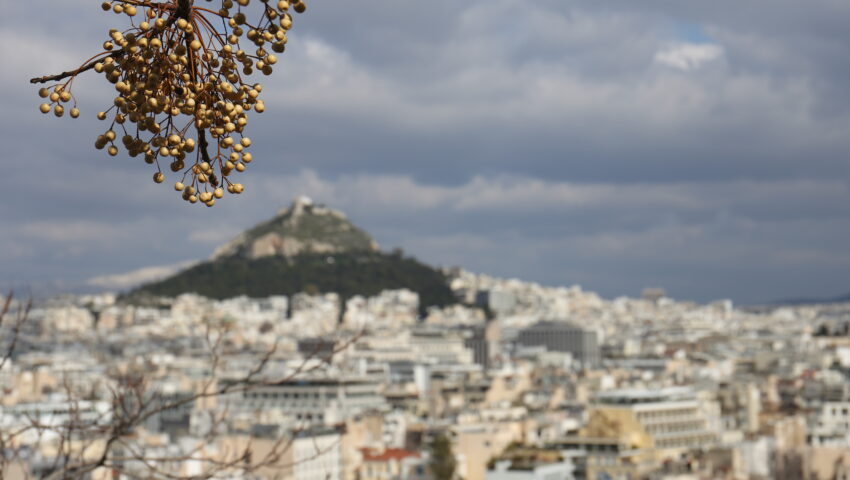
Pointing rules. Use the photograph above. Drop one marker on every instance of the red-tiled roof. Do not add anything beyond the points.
(370, 455)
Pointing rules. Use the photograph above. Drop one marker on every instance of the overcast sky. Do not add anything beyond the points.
(703, 147)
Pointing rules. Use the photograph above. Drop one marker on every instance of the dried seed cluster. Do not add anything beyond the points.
(181, 71)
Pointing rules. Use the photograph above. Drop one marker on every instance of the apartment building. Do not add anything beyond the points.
(670, 420)
(317, 401)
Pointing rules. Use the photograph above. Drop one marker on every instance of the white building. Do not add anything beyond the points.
(313, 401)
(507, 470)
(317, 455)
(673, 419)
(832, 426)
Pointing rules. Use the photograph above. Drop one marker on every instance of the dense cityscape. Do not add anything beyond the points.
(516, 381)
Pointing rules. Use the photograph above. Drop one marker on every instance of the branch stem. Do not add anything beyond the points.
(184, 10)
(72, 73)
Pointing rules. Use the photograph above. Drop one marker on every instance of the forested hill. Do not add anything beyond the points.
(305, 248)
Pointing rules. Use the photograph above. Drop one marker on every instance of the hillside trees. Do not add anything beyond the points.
(443, 463)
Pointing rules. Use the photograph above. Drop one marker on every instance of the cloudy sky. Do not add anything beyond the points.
(699, 146)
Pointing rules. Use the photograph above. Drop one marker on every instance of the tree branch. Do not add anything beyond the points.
(71, 73)
(183, 10)
(203, 145)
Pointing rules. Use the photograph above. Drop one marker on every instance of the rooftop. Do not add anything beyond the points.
(638, 396)
(370, 455)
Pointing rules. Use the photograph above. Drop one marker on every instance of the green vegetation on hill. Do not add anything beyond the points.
(318, 232)
(326, 228)
(302, 228)
(348, 274)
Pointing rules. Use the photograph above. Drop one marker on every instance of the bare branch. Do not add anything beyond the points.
(72, 73)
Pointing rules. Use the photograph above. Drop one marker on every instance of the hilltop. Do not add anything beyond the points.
(305, 248)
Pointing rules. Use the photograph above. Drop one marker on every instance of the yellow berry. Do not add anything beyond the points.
(158, 177)
(45, 108)
(178, 186)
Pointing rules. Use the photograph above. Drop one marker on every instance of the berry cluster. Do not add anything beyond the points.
(182, 70)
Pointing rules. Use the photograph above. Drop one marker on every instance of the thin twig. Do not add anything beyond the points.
(72, 73)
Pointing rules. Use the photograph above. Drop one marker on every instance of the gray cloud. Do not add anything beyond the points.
(137, 277)
(614, 144)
